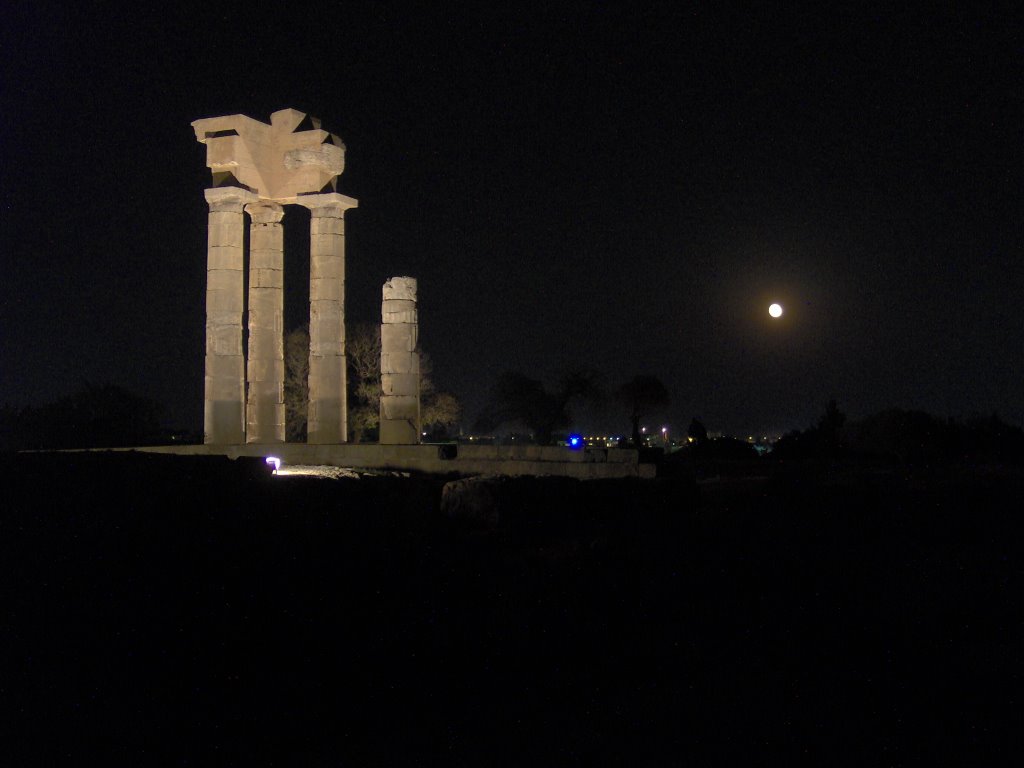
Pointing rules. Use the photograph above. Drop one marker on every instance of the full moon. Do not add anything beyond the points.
(775, 310)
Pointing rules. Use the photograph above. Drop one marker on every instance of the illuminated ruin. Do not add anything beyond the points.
(259, 168)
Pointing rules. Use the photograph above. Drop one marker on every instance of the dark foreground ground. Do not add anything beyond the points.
(175, 611)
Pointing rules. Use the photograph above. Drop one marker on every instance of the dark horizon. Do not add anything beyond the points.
(574, 188)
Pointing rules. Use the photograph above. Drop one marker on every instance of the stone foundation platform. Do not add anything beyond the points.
(512, 460)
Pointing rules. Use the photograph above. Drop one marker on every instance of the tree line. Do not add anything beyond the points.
(517, 399)
(906, 436)
(110, 416)
(96, 416)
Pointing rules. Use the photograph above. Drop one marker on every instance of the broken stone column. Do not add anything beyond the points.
(328, 416)
(264, 410)
(224, 399)
(399, 364)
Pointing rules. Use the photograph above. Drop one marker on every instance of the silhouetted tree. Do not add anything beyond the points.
(697, 431)
(829, 427)
(103, 416)
(578, 384)
(642, 395)
(362, 348)
(906, 436)
(825, 440)
(296, 383)
(440, 414)
(516, 398)
(438, 410)
(992, 438)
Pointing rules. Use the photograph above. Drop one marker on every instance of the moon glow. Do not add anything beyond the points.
(775, 310)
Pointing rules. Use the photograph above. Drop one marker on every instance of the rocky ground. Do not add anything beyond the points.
(186, 611)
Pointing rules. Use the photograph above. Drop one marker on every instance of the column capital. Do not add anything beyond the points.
(335, 203)
(265, 212)
(399, 289)
(230, 196)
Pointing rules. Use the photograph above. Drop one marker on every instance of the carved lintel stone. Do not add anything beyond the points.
(274, 160)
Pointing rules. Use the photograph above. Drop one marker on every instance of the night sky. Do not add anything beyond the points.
(572, 185)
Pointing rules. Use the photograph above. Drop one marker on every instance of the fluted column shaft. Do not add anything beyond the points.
(224, 397)
(264, 410)
(328, 413)
(399, 363)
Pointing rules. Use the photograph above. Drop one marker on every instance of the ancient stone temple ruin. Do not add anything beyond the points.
(257, 169)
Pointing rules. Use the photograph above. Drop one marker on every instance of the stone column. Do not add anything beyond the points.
(224, 405)
(328, 413)
(399, 364)
(264, 408)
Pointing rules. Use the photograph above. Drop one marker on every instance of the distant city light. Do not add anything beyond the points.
(575, 442)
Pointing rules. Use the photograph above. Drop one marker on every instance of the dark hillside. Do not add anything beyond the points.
(162, 610)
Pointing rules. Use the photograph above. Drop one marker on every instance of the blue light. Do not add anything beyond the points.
(575, 442)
